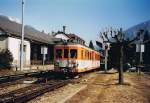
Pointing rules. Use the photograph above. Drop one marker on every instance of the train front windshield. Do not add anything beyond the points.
(73, 53)
(66, 53)
(58, 53)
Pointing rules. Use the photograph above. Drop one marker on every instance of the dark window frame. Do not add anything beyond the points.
(66, 53)
(57, 55)
(73, 53)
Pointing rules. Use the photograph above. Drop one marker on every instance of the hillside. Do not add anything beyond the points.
(132, 31)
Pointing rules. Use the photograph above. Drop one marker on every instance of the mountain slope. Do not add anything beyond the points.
(131, 32)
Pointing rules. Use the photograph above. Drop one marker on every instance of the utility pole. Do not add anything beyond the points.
(141, 52)
(141, 60)
(106, 56)
(22, 37)
(140, 63)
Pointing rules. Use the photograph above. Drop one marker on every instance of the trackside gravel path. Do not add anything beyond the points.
(104, 89)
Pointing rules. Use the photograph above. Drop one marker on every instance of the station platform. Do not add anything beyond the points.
(33, 68)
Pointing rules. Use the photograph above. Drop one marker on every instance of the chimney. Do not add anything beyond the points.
(64, 29)
(53, 33)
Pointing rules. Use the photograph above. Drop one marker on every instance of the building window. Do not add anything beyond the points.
(24, 48)
(1, 32)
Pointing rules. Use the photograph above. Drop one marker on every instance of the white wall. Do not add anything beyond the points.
(3, 43)
(14, 47)
(62, 36)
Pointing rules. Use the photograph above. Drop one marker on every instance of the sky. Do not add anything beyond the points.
(85, 18)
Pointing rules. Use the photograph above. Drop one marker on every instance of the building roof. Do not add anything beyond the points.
(60, 32)
(14, 29)
(75, 36)
(70, 36)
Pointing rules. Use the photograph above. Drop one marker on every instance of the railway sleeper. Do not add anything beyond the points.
(17, 97)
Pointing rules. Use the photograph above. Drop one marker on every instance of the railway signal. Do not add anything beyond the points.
(44, 52)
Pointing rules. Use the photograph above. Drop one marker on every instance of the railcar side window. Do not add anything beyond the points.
(82, 54)
(58, 53)
(73, 53)
(66, 52)
(85, 55)
(90, 56)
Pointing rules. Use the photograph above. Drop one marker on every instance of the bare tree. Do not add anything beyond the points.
(117, 36)
(91, 45)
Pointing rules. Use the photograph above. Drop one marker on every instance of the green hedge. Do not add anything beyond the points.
(6, 59)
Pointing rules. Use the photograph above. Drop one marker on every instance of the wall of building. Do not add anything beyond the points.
(14, 47)
(3, 43)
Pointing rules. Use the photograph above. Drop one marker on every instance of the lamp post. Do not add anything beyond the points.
(22, 37)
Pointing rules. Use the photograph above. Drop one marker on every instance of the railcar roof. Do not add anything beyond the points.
(75, 44)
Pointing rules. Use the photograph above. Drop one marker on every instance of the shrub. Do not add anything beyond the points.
(6, 59)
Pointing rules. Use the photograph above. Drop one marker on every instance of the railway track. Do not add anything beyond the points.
(6, 84)
(22, 81)
(27, 93)
(40, 87)
(9, 79)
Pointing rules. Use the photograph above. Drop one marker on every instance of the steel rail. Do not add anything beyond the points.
(27, 93)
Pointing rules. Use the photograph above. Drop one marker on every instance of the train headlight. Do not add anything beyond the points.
(75, 64)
